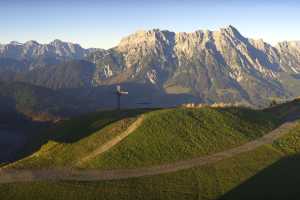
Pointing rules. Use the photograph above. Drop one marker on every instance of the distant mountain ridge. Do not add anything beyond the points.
(218, 65)
(207, 66)
(33, 50)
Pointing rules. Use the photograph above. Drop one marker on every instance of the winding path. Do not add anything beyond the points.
(108, 145)
(10, 175)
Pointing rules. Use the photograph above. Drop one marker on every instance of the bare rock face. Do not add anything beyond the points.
(214, 66)
(33, 50)
(217, 65)
(290, 56)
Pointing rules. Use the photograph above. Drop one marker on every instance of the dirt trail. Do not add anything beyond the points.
(8, 176)
(108, 145)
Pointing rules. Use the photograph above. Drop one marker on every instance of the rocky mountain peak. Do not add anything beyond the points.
(140, 37)
(32, 43)
(15, 43)
(142, 42)
(219, 65)
(232, 32)
(261, 45)
(32, 50)
(231, 29)
(56, 42)
(288, 45)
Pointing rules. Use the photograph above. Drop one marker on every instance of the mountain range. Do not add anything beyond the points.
(159, 65)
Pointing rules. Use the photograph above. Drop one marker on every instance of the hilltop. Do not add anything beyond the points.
(166, 136)
(163, 136)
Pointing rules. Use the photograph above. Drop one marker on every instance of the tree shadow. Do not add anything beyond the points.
(281, 180)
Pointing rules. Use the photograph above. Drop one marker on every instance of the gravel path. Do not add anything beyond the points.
(113, 142)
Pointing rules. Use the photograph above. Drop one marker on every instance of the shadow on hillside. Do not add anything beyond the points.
(278, 181)
(288, 111)
(71, 131)
(15, 130)
(80, 127)
(140, 96)
(81, 101)
(64, 103)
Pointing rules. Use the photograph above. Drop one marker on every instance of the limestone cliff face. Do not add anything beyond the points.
(213, 65)
(289, 56)
(33, 50)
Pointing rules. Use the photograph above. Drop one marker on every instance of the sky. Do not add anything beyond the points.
(103, 23)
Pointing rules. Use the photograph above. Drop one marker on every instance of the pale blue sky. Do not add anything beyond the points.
(102, 24)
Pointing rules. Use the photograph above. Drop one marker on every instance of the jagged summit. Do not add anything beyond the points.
(219, 65)
(32, 49)
(156, 35)
(295, 43)
(32, 43)
(230, 28)
(232, 31)
(56, 42)
(16, 43)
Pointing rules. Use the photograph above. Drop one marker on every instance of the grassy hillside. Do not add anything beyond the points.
(37, 102)
(176, 134)
(66, 143)
(200, 183)
(164, 136)
(286, 111)
(265, 173)
(269, 172)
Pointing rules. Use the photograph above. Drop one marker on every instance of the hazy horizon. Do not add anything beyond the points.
(98, 24)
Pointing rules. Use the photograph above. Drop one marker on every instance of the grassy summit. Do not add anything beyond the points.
(164, 136)
(268, 172)
(69, 141)
(182, 133)
(265, 173)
